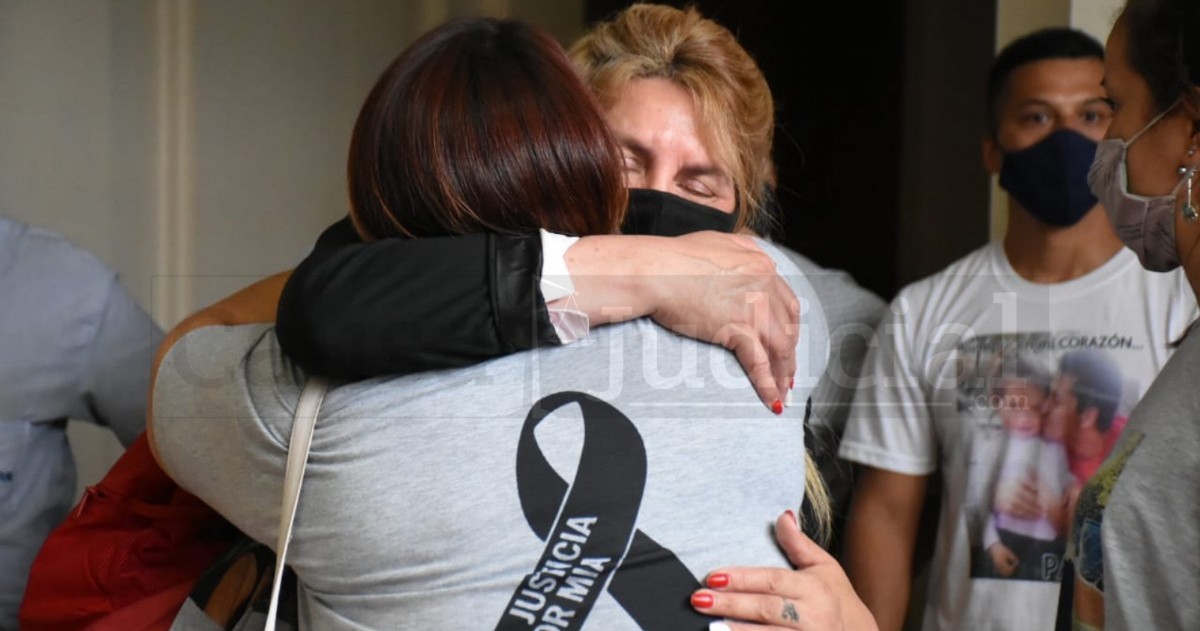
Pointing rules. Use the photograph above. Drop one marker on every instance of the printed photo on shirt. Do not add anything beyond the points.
(1044, 418)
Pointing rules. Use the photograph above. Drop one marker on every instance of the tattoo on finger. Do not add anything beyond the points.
(789, 612)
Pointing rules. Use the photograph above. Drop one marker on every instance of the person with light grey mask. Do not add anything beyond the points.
(1144, 224)
(1134, 550)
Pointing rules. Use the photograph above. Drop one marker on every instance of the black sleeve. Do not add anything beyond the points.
(353, 309)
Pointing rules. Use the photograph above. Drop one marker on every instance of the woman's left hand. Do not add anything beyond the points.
(817, 595)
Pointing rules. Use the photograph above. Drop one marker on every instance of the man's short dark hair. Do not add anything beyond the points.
(1097, 383)
(1047, 43)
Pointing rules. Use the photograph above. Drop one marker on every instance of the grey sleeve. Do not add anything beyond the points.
(116, 375)
(852, 313)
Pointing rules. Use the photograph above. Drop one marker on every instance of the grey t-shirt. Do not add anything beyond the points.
(585, 486)
(1135, 543)
(852, 313)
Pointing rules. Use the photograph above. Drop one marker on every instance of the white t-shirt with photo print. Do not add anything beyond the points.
(927, 401)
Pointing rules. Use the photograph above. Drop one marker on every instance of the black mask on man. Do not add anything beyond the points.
(1050, 178)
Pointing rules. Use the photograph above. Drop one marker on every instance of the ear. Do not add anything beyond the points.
(993, 157)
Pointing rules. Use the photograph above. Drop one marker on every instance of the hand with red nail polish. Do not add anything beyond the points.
(714, 287)
(717, 580)
(815, 596)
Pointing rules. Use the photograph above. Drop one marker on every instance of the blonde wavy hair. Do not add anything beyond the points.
(733, 103)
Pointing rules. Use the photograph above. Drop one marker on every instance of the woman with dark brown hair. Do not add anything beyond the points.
(477, 129)
(586, 483)
(1133, 553)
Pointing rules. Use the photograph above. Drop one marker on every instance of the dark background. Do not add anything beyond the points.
(879, 108)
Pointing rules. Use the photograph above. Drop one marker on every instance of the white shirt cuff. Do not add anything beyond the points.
(556, 278)
(558, 291)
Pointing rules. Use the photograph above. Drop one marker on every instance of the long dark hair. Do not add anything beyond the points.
(482, 125)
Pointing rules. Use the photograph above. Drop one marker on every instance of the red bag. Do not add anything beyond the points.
(128, 554)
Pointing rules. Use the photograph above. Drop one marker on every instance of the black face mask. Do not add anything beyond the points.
(662, 214)
(1050, 178)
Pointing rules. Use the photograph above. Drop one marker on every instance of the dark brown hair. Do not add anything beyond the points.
(1163, 46)
(482, 125)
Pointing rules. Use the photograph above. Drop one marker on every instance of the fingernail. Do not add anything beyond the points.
(777, 407)
(792, 517)
(792, 384)
(700, 600)
(787, 399)
(718, 580)
(718, 626)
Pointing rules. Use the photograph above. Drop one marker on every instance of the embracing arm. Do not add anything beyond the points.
(354, 309)
(710, 286)
(251, 305)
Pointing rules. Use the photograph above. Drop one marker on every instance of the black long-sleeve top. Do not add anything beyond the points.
(353, 310)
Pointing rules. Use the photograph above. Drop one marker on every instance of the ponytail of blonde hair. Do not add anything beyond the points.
(818, 499)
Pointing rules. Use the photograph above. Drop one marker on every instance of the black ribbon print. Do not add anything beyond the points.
(590, 531)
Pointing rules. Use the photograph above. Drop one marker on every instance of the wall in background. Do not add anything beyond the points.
(943, 185)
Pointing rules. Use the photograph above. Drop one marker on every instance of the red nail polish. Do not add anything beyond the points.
(702, 601)
(792, 384)
(777, 407)
(718, 580)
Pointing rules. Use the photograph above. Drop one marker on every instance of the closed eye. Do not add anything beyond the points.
(698, 188)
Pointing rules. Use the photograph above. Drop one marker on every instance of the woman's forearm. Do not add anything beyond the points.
(711, 286)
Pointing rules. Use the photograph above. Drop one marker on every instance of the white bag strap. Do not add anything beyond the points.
(293, 477)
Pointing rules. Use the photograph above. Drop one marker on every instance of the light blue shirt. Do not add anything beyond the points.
(73, 344)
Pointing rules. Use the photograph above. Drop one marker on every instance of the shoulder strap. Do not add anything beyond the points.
(293, 477)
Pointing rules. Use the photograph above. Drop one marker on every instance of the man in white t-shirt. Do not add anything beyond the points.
(1060, 292)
